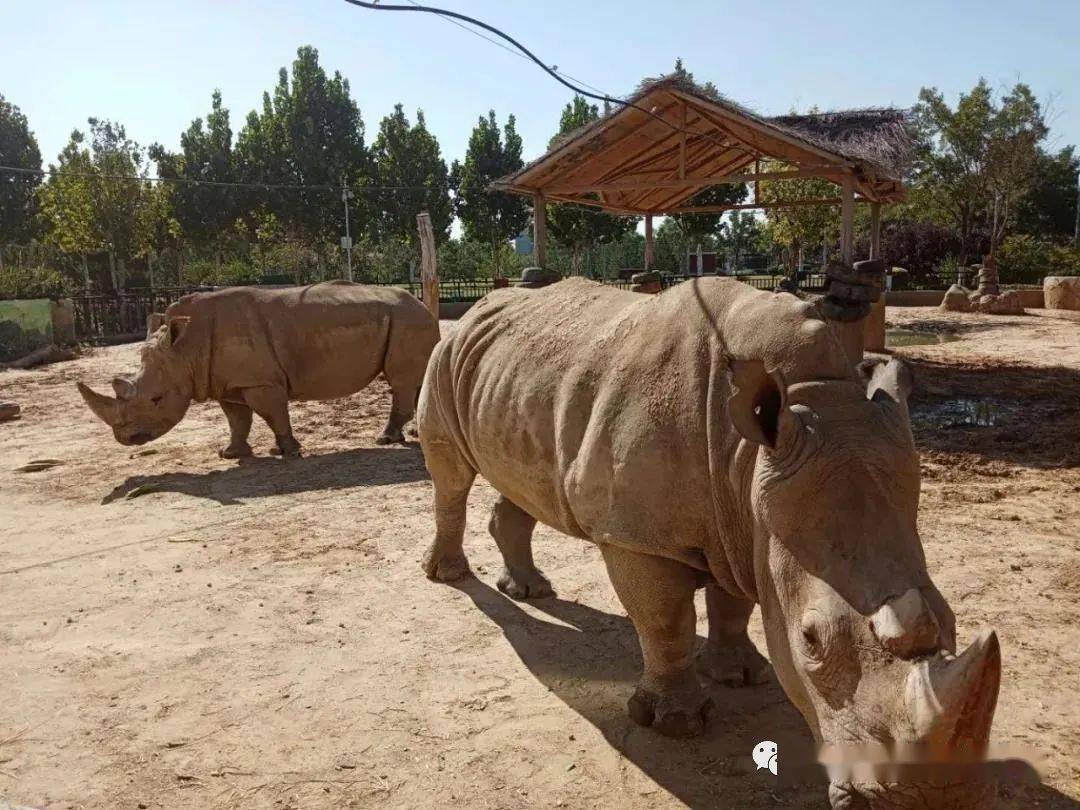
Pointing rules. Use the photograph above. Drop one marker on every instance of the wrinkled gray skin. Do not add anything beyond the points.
(716, 435)
(255, 350)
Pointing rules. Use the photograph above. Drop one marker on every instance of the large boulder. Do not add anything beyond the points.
(647, 282)
(1062, 292)
(1007, 303)
(957, 299)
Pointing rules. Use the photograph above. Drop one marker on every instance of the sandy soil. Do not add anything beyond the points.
(182, 631)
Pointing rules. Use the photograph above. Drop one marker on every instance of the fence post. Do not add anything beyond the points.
(429, 271)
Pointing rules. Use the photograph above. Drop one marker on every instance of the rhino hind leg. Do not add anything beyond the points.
(239, 417)
(272, 406)
(451, 478)
(512, 529)
(658, 594)
(729, 656)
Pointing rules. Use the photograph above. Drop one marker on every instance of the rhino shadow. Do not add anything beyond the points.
(1008, 412)
(262, 477)
(591, 660)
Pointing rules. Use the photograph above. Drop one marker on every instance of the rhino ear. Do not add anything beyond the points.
(889, 381)
(154, 321)
(759, 398)
(178, 327)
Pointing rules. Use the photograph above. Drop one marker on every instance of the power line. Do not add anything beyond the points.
(213, 183)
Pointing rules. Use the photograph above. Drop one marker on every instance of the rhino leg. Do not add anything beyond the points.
(452, 478)
(239, 417)
(658, 594)
(512, 529)
(730, 657)
(401, 411)
(272, 405)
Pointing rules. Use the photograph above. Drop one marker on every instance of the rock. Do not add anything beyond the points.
(647, 282)
(533, 277)
(1062, 292)
(956, 300)
(1008, 303)
(9, 410)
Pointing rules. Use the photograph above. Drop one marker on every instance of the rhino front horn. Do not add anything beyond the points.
(105, 408)
(952, 700)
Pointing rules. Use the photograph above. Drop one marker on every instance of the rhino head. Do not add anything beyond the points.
(861, 640)
(150, 403)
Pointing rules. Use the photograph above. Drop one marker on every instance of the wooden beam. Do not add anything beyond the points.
(719, 209)
(847, 220)
(539, 229)
(649, 247)
(429, 270)
(682, 144)
(691, 182)
(875, 230)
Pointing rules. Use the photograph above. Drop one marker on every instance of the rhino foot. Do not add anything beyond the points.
(390, 438)
(735, 663)
(445, 567)
(525, 586)
(676, 714)
(236, 451)
(289, 451)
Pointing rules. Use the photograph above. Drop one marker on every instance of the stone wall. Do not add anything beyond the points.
(26, 325)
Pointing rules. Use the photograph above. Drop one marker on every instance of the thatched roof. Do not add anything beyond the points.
(631, 161)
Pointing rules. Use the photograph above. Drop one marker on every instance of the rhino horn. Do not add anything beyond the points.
(105, 408)
(952, 699)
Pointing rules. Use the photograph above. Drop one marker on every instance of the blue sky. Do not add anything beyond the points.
(152, 65)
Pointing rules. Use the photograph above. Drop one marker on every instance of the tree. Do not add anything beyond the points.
(409, 168)
(309, 133)
(740, 233)
(490, 217)
(94, 198)
(18, 149)
(204, 212)
(975, 162)
(576, 227)
(1049, 208)
(799, 228)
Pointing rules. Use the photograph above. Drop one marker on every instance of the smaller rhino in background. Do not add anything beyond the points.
(255, 350)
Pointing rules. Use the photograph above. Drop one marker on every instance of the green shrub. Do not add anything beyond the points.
(1026, 259)
(30, 282)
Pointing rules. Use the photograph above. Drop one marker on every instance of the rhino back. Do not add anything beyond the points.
(589, 406)
(320, 341)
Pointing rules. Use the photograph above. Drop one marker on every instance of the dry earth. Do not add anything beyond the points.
(182, 631)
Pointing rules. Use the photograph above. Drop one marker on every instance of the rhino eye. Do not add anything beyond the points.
(811, 631)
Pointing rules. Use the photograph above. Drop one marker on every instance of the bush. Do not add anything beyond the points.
(30, 282)
(1026, 259)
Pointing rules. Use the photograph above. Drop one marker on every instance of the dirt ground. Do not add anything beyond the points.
(181, 631)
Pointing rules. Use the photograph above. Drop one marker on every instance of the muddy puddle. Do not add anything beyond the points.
(909, 337)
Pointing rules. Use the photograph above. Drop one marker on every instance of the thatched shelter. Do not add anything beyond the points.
(676, 139)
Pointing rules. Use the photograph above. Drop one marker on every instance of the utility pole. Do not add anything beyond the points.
(346, 240)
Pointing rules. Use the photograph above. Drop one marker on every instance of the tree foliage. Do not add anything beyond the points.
(490, 217)
(18, 149)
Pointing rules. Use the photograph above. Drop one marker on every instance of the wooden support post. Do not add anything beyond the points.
(649, 244)
(847, 220)
(539, 229)
(757, 182)
(875, 230)
(429, 270)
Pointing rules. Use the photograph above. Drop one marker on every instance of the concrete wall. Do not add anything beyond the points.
(1032, 299)
(29, 324)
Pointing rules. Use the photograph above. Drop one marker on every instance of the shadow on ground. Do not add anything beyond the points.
(591, 660)
(1033, 411)
(263, 477)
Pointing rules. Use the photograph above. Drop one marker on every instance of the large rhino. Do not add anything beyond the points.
(716, 435)
(254, 350)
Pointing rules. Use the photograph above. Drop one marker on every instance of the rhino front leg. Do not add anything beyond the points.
(401, 411)
(272, 405)
(239, 417)
(512, 529)
(730, 657)
(658, 594)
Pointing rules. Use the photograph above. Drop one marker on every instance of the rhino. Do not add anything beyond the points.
(724, 437)
(255, 350)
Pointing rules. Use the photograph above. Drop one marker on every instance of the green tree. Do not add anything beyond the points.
(575, 227)
(93, 201)
(975, 162)
(204, 212)
(412, 176)
(490, 217)
(18, 149)
(1049, 208)
(797, 229)
(739, 234)
(309, 133)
